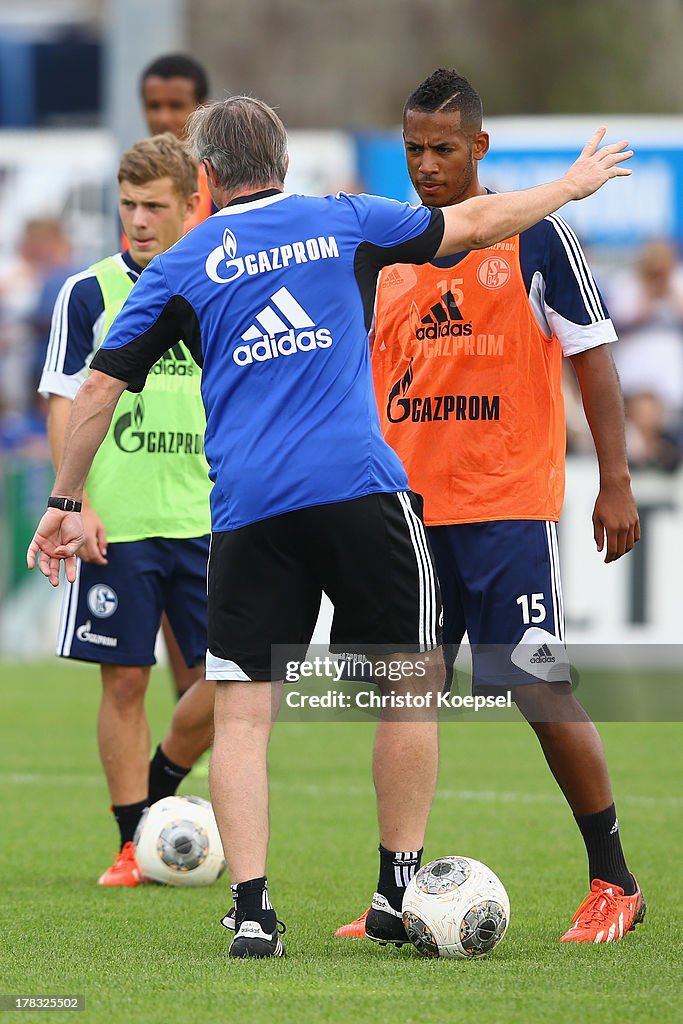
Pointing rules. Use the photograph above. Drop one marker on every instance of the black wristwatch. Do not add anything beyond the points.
(65, 504)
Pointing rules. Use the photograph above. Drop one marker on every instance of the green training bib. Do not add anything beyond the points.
(149, 477)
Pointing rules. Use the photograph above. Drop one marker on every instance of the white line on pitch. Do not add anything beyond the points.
(475, 795)
(317, 790)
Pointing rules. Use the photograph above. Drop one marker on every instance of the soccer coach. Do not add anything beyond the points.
(273, 295)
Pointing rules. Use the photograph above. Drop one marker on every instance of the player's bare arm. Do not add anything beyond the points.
(95, 545)
(484, 220)
(60, 534)
(616, 526)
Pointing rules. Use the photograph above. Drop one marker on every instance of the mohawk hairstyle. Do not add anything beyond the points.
(446, 91)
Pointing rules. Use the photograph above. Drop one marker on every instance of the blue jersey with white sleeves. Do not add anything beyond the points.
(274, 296)
(76, 330)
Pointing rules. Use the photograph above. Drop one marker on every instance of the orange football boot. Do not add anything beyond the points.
(124, 870)
(605, 915)
(354, 930)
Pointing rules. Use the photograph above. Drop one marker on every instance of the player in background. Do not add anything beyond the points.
(307, 496)
(146, 506)
(467, 362)
(171, 88)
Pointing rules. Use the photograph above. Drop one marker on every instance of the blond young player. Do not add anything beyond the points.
(146, 504)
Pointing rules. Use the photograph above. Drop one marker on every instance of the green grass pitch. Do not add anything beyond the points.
(152, 954)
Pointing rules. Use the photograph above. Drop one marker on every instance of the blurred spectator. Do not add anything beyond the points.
(55, 270)
(647, 442)
(646, 304)
(23, 433)
(27, 290)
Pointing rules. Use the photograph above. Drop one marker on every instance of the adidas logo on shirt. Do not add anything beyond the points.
(174, 363)
(284, 328)
(391, 277)
(443, 320)
(543, 656)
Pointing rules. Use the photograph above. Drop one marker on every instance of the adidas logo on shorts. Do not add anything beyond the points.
(543, 656)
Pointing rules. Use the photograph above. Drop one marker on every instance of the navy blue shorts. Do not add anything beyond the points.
(500, 584)
(111, 614)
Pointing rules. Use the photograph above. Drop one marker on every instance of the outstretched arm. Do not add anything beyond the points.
(60, 534)
(484, 220)
(615, 513)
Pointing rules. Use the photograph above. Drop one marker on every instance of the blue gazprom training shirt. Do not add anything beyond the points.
(274, 296)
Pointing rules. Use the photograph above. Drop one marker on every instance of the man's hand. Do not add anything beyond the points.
(615, 515)
(58, 538)
(95, 546)
(481, 221)
(596, 166)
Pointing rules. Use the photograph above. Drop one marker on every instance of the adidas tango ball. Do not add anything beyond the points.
(177, 842)
(455, 908)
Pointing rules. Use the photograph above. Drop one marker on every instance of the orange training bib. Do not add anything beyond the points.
(469, 389)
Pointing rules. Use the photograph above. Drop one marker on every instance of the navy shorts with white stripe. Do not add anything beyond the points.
(500, 584)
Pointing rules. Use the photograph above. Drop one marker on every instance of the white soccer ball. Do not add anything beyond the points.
(177, 842)
(455, 908)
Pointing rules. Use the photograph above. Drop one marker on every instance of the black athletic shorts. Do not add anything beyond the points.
(371, 557)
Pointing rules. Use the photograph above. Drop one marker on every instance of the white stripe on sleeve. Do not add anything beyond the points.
(582, 272)
(59, 329)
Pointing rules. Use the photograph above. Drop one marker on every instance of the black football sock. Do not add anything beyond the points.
(127, 818)
(252, 903)
(164, 776)
(395, 871)
(605, 856)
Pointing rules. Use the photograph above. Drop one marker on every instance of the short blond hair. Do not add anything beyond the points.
(162, 156)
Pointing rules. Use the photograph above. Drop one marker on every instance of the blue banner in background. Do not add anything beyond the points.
(627, 212)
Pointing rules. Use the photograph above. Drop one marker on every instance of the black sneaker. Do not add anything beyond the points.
(384, 924)
(229, 920)
(251, 941)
